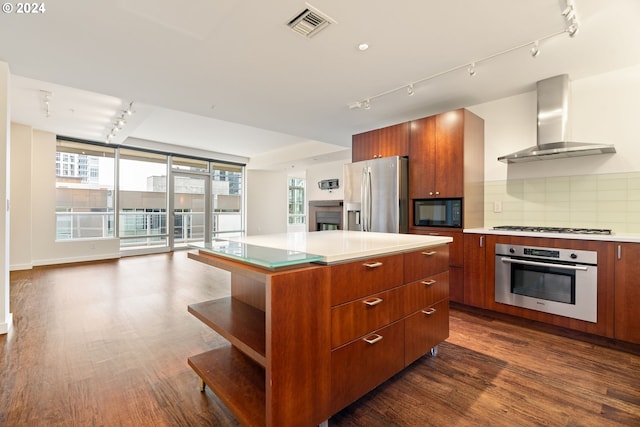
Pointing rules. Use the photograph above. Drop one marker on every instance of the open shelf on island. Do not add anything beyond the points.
(237, 381)
(239, 323)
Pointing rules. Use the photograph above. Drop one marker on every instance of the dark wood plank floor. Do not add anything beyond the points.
(105, 344)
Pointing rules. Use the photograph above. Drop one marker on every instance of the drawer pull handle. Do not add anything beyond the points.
(372, 264)
(372, 339)
(372, 302)
(428, 282)
(430, 253)
(429, 312)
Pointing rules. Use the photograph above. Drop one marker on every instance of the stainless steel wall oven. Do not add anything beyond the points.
(557, 281)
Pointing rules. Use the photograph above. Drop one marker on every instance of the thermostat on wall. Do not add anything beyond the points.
(328, 184)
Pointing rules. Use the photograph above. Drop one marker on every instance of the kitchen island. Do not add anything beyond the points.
(316, 320)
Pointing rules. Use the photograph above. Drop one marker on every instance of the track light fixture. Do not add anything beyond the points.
(119, 123)
(535, 49)
(569, 14)
(47, 100)
(472, 69)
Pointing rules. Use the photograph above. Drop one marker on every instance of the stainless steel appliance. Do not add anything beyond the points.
(376, 195)
(437, 212)
(569, 230)
(552, 280)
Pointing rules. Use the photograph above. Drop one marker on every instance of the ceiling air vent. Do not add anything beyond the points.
(309, 22)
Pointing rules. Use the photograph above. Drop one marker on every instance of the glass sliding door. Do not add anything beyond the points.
(142, 196)
(189, 208)
(227, 187)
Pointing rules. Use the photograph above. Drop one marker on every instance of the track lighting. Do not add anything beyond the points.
(568, 13)
(472, 69)
(410, 90)
(535, 50)
(119, 123)
(47, 100)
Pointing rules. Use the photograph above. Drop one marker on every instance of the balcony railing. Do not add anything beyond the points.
(144, 228)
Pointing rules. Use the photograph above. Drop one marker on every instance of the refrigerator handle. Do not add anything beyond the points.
(365, 198)
(369, 200)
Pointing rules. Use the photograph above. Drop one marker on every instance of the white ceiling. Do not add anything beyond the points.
(229, 76)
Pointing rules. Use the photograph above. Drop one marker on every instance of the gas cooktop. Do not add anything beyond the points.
(553, 229)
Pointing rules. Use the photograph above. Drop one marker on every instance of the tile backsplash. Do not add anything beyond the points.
(581, 201)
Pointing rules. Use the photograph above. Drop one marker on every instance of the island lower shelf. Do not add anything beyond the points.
(239, 323)
(237, 380)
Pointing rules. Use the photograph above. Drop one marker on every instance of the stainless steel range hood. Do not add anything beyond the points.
(553, 108)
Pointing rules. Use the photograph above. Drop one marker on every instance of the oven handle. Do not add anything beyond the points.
(544, 264)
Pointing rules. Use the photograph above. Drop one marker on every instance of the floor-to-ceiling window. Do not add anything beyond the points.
(84, 191)
(163, 200)
(296, 210)
(227, 189)
(142, 199)
(190, 200)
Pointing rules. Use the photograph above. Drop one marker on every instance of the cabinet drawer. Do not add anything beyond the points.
(358, 279)
(426, 292)
(425, 329)
(425, 263)
(360, 366)
(354, 319)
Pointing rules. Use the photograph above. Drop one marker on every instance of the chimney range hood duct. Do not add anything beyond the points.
(553, 106)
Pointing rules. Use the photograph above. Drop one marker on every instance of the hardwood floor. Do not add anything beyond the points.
(106, 344)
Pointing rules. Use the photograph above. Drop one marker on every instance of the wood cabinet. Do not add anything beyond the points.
(475, 287)
(456, 258)
(377, 335)
(627, 292)
(389, 141)
(446, 158)
(305, 341)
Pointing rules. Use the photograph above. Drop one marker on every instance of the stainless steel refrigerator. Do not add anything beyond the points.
(376, 195)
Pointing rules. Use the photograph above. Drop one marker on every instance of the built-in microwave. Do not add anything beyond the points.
(437, 212)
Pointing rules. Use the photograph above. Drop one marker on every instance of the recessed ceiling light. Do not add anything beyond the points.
(363, 46)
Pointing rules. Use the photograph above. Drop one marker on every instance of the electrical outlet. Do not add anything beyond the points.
(497, 206)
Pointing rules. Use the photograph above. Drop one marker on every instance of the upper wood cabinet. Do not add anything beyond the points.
(385, 142)
(447, 155)
(627, 293)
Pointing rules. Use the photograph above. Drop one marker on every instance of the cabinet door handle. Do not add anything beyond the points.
(430, 253)
(372, 302)
(428, 282)
(429, 312)
(372, 339)
(437, 193)
(372, 264)
(619, 251)
(481, 241)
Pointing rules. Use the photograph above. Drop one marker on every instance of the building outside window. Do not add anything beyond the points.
(297, 212)
(84, 191)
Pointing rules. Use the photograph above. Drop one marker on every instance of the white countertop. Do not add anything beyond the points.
(340, 245)
(615, 237)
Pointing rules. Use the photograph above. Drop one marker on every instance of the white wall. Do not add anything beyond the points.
(604, 109)
(5, 191)
(325, 171)
(20, 197)
(266, 202)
